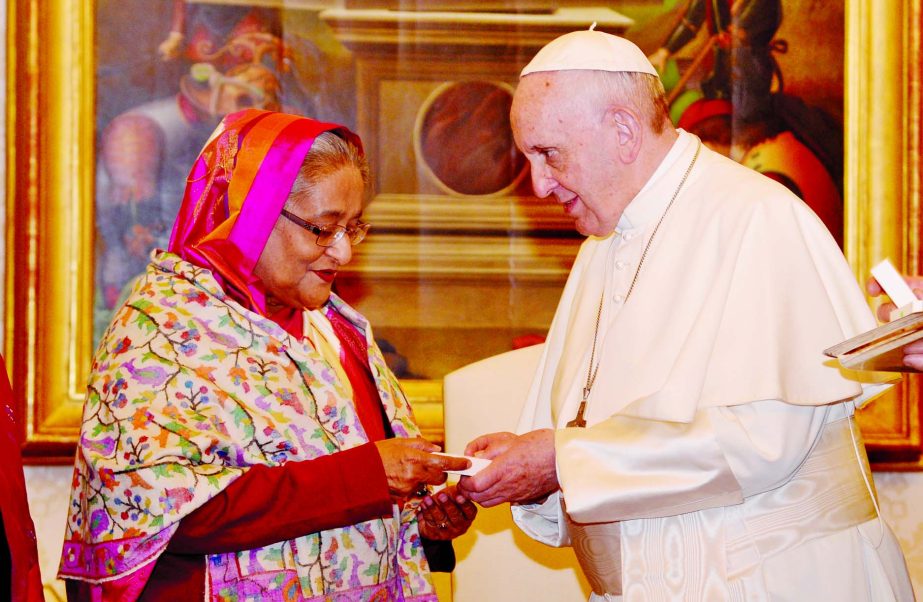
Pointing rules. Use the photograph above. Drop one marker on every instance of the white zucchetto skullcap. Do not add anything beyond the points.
(589, 50)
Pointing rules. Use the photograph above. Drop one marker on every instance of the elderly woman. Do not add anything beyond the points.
(242, 437)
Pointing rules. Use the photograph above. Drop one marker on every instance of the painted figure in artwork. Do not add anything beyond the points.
(740, 43)
(741, 109)
(235, 58)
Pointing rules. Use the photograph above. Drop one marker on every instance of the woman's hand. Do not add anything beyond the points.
(445, 514)
(409, 463)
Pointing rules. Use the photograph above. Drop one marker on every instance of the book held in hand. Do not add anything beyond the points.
(880, 349)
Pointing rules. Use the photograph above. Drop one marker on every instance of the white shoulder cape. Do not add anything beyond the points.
(742, 290)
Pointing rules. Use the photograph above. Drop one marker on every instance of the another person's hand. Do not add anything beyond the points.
(524, 472)
(445, 514)
(884, 310)
(913, 353)
(659, 59)
(409, 463)
(490, 446)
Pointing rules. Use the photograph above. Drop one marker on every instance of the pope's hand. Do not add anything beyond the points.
(408, 464)
(490, 446)
(523, 472)
(913, 353)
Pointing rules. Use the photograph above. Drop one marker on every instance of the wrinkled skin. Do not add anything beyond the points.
(409, 464)
(445, 515)
(522, 468)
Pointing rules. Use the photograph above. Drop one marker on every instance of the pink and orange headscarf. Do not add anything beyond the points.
(235, 193)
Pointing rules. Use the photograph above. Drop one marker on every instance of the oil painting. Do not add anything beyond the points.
(462, 261)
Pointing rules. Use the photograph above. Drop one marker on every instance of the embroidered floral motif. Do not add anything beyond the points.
(187, 390)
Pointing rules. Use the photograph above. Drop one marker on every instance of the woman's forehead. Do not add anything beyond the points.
(334, 196)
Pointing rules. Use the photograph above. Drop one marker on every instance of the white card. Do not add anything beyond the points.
(477, 465)
(893, 284)
(896, 287)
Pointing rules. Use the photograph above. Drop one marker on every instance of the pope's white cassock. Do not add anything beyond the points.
(720, 459)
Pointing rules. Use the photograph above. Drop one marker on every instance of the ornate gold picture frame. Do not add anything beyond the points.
(883, 139)
(50, 179)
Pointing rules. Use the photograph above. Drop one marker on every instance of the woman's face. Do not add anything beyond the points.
(295, 270)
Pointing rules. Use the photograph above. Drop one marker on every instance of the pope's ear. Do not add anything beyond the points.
(628, 132)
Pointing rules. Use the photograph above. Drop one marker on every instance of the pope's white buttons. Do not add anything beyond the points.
(618, 298)
(628, 235)
(620, 265)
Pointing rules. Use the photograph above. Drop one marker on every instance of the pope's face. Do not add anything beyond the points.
(570, 149)
(295, 270)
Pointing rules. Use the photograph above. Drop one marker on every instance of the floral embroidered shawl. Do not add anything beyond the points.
(193, 383)
(188, 389)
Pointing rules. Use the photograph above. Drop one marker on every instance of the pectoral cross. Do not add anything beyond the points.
(578, 420)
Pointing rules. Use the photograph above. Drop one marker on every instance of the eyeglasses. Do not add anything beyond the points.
(327, 236)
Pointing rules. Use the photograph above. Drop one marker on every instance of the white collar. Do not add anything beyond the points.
(651, 201)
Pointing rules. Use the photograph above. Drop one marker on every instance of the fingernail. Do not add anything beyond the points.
(443, 497)
(429, 502)
(460, 499)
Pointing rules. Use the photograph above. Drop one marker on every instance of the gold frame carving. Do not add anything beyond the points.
(49, 235)
(50, 173)
(882, 183)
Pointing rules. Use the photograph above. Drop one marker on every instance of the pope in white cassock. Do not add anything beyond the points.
(683, 431)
